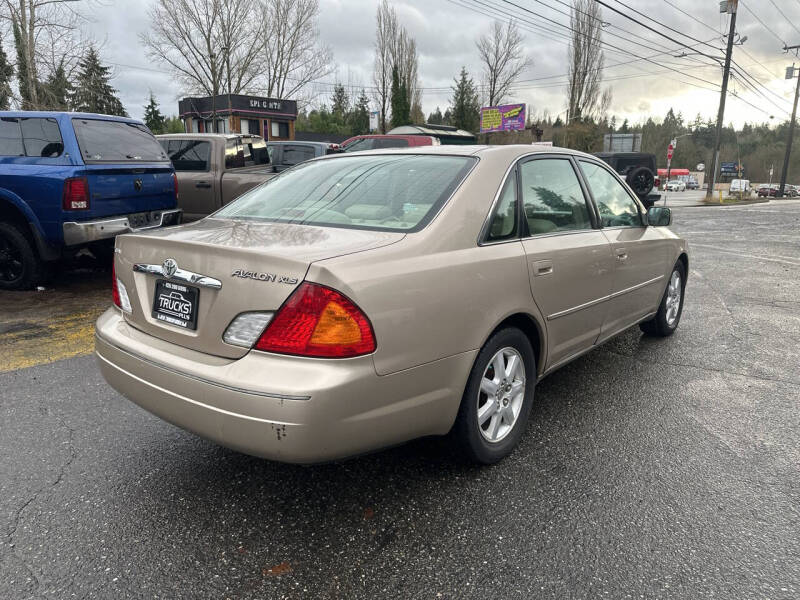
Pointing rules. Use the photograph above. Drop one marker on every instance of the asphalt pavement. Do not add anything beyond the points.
(651, 468)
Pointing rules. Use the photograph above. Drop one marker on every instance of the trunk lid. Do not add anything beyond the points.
(258, 264)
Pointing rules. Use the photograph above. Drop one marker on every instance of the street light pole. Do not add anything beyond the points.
(785, 172)
(732, 7)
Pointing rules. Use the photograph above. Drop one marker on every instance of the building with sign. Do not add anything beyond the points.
(234, 113)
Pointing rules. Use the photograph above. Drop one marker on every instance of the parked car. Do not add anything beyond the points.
(740, 186)
(692, 184)
(675, 185)
(639, 171)
(214, 168)
(376, 142)
(283, 155)
(70, 181)
(358, 301)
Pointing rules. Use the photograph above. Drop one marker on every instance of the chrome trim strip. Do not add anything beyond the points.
(569, 311)
(195, 377)
(180, 275)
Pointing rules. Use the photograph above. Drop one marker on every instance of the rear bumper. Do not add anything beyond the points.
(282, 408)
(83, 232)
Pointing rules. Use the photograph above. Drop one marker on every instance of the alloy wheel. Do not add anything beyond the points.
(501, 394)
(673, 304)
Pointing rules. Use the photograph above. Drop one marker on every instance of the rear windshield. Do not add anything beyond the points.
(375, 143)
(187, 155)
(117, 141)
(396, 192)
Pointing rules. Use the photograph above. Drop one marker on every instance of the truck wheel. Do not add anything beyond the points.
(20, 267)
(641, 181)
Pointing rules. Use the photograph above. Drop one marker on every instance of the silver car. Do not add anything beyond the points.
(361, 300)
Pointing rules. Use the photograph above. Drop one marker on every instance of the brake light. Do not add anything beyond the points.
(76, 194)
(320, 322)
(114, 288)
(175, 185)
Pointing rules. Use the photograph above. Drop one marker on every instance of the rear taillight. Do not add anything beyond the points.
(76, 194)
(114, 288)
(320, 322)
(175, 185)
(119, 294)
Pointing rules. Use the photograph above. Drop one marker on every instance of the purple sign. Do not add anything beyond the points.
(502, 118)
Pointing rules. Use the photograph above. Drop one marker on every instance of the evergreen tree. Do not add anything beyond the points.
(155, 121)
(174, 125)
(447, 117)
(435, 118)
(6, 73)
(54, 93)
(340, 102)
(93, 92)
(401, 111)
(466, 106)
(359, 118)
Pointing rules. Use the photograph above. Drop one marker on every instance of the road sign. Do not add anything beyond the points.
(669, 152)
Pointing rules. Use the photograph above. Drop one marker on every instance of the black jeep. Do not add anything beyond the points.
(639, 171)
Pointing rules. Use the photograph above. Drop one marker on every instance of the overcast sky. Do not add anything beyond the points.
(445, 31)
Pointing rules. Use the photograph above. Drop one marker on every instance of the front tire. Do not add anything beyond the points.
(498, 397)
(20, 266)
(671, 308)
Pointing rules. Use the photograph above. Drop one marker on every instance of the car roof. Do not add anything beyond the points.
(52, 114)
(308, 142)
(209, 136)
(510, 151)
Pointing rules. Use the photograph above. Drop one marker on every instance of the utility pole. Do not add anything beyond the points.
(789, 74)
(732, 7)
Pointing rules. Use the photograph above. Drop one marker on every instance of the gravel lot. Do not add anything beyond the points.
(650, 469)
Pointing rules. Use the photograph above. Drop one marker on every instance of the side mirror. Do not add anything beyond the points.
(659, 216)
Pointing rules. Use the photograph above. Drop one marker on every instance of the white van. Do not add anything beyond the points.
(740, 186)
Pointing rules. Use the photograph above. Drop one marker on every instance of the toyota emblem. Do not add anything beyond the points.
(169, 267)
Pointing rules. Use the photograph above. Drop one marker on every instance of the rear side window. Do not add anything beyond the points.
(387, 143)
(117, 141)
(11, 138)
(503, 225)
(552, 197)
(395, 192)
(34, 136)
(188, 155)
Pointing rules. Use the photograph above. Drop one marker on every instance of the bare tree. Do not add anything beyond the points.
(503, 56)
(36, 25)
(293, 56)
(211, 46)
(385, 49)
(586, 61)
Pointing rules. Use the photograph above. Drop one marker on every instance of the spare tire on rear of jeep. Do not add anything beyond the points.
(641, 180)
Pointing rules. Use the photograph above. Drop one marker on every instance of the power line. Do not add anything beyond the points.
(764, 25)
(784, 16)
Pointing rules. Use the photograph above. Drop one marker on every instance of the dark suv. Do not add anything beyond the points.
(639, 171)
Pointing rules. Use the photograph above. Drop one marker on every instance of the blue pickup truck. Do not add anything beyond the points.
(72, 180)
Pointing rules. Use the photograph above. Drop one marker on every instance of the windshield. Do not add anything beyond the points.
(396, 192)
(117, 141)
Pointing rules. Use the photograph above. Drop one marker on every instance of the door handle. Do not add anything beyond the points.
(622, 254)
(542, 267)
(202, 184)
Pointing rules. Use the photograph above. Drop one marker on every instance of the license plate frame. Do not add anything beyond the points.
(175, 304)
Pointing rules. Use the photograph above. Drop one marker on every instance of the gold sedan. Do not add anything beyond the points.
(359, 301)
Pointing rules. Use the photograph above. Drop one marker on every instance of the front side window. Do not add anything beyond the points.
(117, 141)
(614, 203)
(382, 192)
(503, 225)
(552, 197)
(188, 155)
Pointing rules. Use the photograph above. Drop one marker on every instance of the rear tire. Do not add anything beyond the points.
(670, 310)
(20, 266)
(498, 397)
